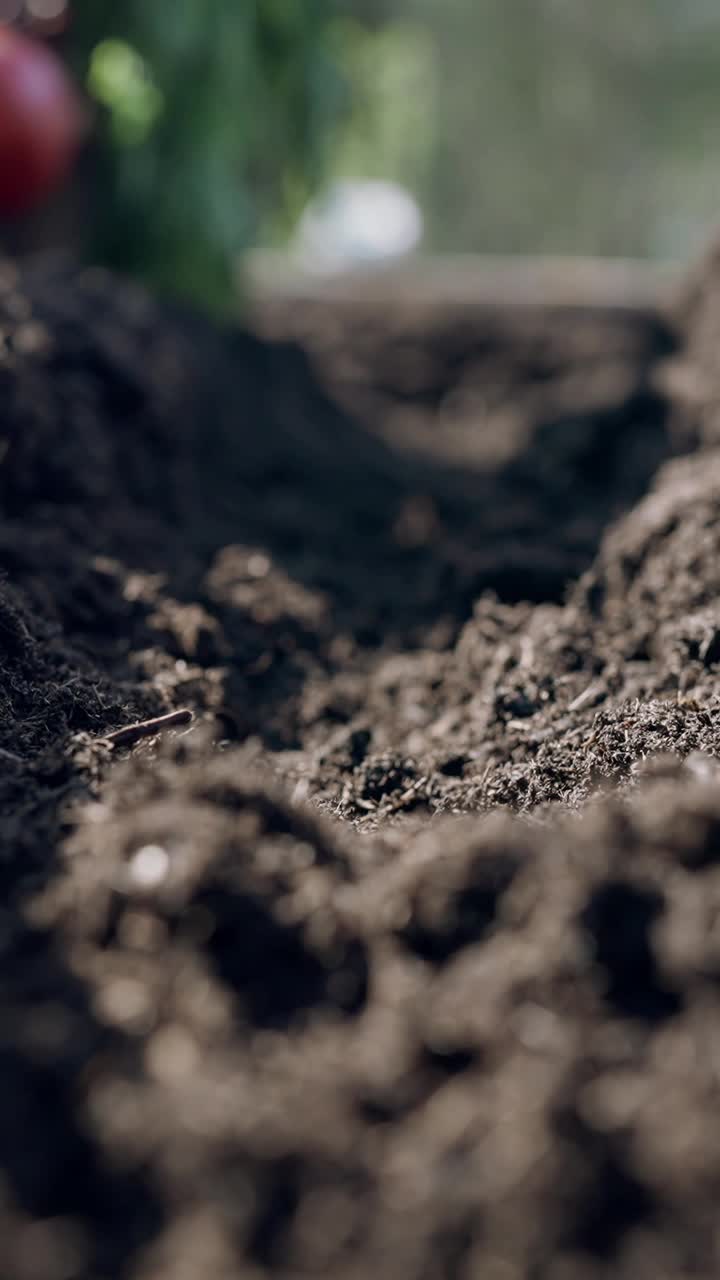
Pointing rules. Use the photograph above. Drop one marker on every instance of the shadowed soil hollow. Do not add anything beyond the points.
(402, 960)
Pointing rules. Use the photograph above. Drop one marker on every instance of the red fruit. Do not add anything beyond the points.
(42, 122)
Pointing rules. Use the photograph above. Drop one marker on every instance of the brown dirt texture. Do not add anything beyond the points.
(401, 959)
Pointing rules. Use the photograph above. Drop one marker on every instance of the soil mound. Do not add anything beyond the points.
(401, 959)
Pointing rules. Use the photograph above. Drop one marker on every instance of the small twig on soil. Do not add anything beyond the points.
(146, 728)
(588, 697)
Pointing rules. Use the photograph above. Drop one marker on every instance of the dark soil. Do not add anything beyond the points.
(403, 960)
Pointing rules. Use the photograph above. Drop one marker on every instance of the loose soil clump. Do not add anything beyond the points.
(396, 953)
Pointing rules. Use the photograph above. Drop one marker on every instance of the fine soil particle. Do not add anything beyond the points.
(400, 957)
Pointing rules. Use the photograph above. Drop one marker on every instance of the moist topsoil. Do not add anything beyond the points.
(402, 960)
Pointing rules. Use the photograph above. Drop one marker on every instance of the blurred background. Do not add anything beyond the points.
(353, 131)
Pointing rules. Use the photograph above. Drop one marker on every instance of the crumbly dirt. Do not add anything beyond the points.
(402, 960)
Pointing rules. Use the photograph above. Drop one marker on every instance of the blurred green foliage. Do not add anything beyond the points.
(572, 126)
(389, 132)
(544, 126)
(214, 121)
(520, 125)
